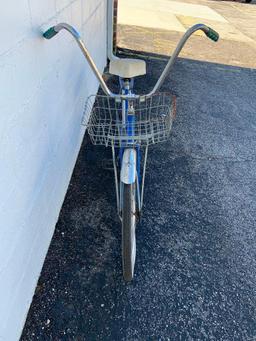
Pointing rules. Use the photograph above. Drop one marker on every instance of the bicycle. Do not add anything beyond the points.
(129, 122)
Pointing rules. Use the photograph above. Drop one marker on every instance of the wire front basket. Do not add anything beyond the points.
(152, 124)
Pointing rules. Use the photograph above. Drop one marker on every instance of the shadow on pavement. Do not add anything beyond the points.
(196, 257)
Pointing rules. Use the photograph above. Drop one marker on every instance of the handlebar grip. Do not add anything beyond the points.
(50, 33)
(213, 35)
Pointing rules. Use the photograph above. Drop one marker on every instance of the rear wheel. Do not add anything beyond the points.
(128, 231)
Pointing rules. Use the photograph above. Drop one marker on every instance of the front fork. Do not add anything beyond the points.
(130, 170)
(130, 165)
(129, 156)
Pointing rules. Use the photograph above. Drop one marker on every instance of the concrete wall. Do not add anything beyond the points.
(43, 86)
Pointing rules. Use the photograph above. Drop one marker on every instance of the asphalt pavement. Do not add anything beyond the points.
(195, 272)
(156, 26)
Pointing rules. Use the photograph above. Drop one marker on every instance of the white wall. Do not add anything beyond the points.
(43, 86)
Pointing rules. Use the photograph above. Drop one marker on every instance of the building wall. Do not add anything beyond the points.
(43, 86)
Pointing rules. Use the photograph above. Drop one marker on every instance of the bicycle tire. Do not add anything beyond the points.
(128, 231)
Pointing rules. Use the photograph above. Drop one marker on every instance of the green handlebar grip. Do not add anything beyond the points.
(213, 35)
(50, 33)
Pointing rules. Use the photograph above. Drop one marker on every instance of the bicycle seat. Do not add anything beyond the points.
(127, 68)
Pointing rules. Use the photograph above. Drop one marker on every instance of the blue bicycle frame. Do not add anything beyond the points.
(129, 120)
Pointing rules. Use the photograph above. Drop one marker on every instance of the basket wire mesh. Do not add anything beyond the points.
(153, 120)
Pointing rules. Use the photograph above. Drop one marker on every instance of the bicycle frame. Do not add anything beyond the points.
(127, 118)
(130, 157)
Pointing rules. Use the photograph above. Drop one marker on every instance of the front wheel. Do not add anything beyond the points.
(128, 230)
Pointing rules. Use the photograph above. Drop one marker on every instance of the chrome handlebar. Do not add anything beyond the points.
(52, 31)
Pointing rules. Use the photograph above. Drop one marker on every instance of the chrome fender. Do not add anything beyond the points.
(128, 170)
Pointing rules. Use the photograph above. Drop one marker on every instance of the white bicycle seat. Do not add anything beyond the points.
(127, 68)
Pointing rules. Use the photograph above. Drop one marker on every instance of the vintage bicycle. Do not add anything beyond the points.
(129, 123)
